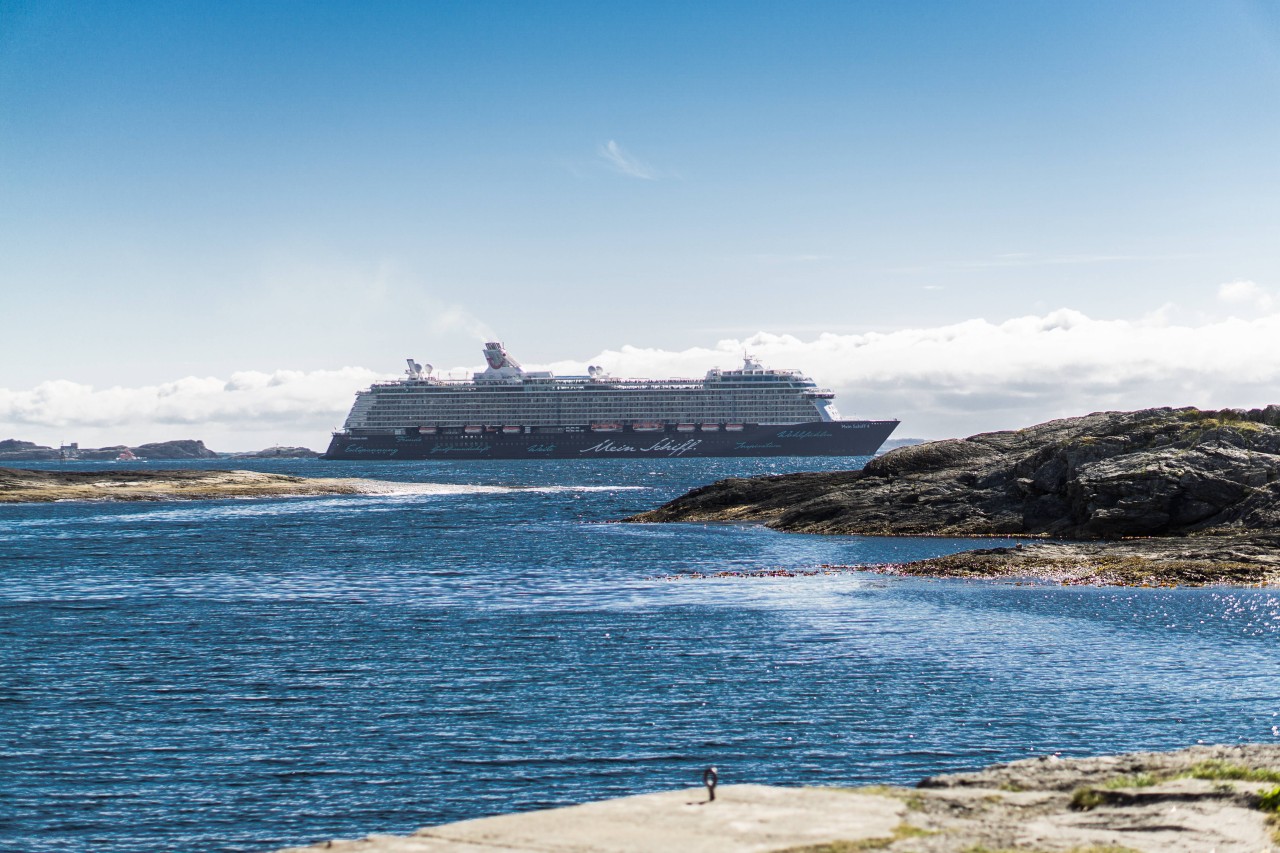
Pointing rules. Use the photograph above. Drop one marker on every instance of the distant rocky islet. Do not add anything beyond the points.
(68, 482)
(18, 485)
(15, 450)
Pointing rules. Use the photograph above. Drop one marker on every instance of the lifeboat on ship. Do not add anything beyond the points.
(509, 430)
(733, 427)
(607, 426)
(711, 427)
(473, 430)
(426, 430)
(685, 427)
(648, 426)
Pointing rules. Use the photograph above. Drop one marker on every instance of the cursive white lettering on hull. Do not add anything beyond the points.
(672, 448)
(609, 447)
(666, 445)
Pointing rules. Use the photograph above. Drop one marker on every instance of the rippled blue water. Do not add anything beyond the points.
(254, 673)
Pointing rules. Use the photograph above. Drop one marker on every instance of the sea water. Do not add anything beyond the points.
(482, 638)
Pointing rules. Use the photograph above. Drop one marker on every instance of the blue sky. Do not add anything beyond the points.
(203, 189)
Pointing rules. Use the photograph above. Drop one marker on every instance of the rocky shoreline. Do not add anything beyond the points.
(1152, 497)
(30, 486)
(1175, 561)
(1205, 798)
(14, 450)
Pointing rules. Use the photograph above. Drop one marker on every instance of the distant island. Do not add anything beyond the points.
(1157, 496)
(14, 450)
(27, 486)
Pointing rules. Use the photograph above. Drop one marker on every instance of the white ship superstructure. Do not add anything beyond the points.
(506, 412)
(504, 394)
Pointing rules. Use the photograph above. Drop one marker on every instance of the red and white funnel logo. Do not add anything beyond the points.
(495, 356)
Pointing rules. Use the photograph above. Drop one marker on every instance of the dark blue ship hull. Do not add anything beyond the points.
(818, 438)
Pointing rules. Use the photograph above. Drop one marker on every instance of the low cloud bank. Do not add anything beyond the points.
(944, 381)
(246, 411)
(977, 375)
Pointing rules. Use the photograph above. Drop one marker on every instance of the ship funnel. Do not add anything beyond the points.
(496, 355)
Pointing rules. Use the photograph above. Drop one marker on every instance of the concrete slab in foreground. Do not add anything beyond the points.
(742, 818)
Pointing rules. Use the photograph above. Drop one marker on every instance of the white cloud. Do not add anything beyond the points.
(249, 410)
(625, 163)
(453, 317)
(1247, 294)
(978, 375)
(942, 381)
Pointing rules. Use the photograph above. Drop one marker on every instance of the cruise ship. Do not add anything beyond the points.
(506, 412)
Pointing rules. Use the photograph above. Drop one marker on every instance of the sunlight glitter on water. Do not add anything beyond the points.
(253, 674)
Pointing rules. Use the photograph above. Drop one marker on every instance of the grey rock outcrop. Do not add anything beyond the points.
(181, 449)
(1108, 475)
(279, 452)
(15, 450)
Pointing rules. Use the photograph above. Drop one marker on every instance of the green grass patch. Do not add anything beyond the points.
(1270, 801)
(1212, 770)
(913, 800)
(1223, 419)
(901, 831)
(1092, 848)
(1086, 799)
(1218, 770)
(1138, 780)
